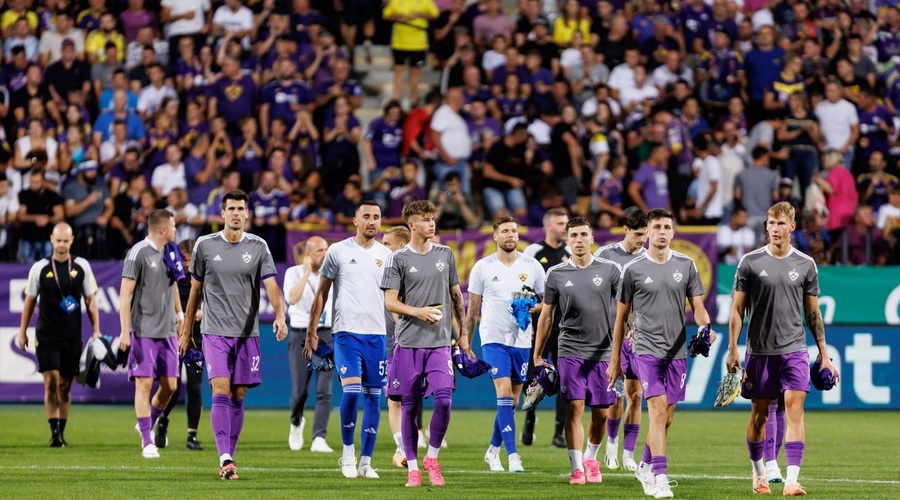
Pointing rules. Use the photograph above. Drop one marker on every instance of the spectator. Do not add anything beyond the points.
(75, 149)
(146, 205)
(340, 139)
(185, 18)
(233, 20)
(708, 174)
(875, 185)
(96, 42)
(762, 65)
(506, 175)
(449, 22)
(200, 171)
(39, 209)
(570, 21)
(812, 238)
(876, 127)
(22, 37)
(693, 118)
(655, 49)
(9, 209)
(134, 127)
(864, 243)
(35, 140)
(169, 175)
(233, 96)
(125, 205)
(283, 98)
(249, 154)
(104, 75)
(567, 156)
(889, 213)
(840, 192)
(34, 86)
(450, 138)
(381, 145)
(454, 208)
(152, 95)
(839, 122)
(187, 217)
(270, 208)
(609, 190)
(800, 135)
(121, 172)
(134, 19)
(735, 239)
(649, 188)
(338, 85)
(89, 19)
(756, 188)
(785, 84)
(544, 45)
(863, 67)
(671, 71)
(67, 74)
(50, 46)
(492, 23)
(17, 10)
(231, 180)
(344, 207)
(483, 129)
(404, 190)
(88, 204)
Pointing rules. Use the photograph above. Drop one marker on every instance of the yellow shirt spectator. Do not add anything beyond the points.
(10, 17)
(410, 32)
(95, 45)
(563, 31)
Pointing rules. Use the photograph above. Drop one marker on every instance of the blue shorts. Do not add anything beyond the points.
(507, 361)
(362, 356)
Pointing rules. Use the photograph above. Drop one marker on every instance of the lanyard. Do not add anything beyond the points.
(56, 274)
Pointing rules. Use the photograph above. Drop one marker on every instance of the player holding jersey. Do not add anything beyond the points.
(355, 267)
(505, 344)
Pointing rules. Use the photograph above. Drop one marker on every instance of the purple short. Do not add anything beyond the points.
(420, 371)
(662, 377)
(152, 358)
(627, 361)
(235, 358)
(769, 376)
(585, 380)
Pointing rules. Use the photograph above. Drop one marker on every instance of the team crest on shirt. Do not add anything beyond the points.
(645, 385)
(379, 262)
(597, 280)
(440, 265)
(493, 370)
(523, 277)
(74, 273)
(247, 258)
(395, 384)
(793, 275)
(677, 276)
(563, 389)
(343, 370)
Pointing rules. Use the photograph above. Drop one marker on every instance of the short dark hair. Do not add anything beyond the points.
(636, 219)
(367, 203)
(158, 216)
(578, 222)
(506, 219)
(660, 213)
(236, 195)
(452, 176)
(554, 212)
(759, 151)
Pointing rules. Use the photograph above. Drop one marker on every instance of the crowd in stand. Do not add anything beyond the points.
(714, 109)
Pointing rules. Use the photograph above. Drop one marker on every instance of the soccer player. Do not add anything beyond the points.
(504, 344)
(584, 289)
(300, 286)
(226, 269)
(149, 307)
(656, 285)
(355, 266)
(622, 253)
(61, 281)
(394, 239)
(420, 281)
(550, 251)
(772, 285)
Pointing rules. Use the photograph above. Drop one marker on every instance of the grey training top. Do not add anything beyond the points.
(587, 307)
(422, 280)
(153, 301)
(757, 185)
(231, 274)
(657, 293)
(775, 290)
(616, 252)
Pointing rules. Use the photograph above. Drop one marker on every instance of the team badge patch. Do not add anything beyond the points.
(49, 274)
(677, 276)
(379, 262)
(793, 275)
(395, 384)
(74, 273)
(440, 265)
(343, 370)
(494, 370)
(563, 390)
(523, 277)
(645, 385)
(247, 257)
(597, 280)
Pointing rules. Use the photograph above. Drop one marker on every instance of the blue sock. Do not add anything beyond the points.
(496, 438)
(370, 420)
(507, 424)
(349, 410)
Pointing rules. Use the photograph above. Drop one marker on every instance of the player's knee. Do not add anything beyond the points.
(167, 385)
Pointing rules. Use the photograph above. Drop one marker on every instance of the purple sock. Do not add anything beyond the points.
(779, 431)
(155, 413)
(440, 419)
(409, 431)
(647, 455)
(793, 451)
(612, 427)
(220, 418)
(756, 449)
(659, 464)
(771, 452)
(631, 435)
(237, 423)
(144, 426)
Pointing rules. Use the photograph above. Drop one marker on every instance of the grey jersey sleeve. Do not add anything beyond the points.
(811, 284)
(266, 262)
(695, 286)
(454, 274)
(393, 273)
(625, 294)
(132, 267)
(742, 276)
(198, 262)
(551, 292)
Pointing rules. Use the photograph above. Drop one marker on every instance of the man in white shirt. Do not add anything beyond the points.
(622, 76)
(671, 72)
(890, 211)
(838, 122)
(50, 47)
(300, 286)
(152, 95)
(708, 174)
(181, 18)
(169, 175)
(505, 343)
(233, 20)
(642, 91)
(735, 238)
(451, 139)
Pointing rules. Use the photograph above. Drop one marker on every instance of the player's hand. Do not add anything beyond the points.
(429, 315)
(124, 340)
(280, 327)
(96, 334)
(312, 343)
(463, 344)
(613, 371)
(732, 361)
(538, 361)
(185, 342)
(179, 325)
(826, 363)
(22, 341)
(712, 336)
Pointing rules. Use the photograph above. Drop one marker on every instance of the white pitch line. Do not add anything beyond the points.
(397, 470)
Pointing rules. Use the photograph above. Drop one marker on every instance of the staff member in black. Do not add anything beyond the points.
(61, 281)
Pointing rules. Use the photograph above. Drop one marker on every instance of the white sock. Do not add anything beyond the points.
(642, 467)
(223, 457)
(575, 457)
(591, 453)
(793, 472)
(364, 461)
(432, 452)
(612, 443)
(513, 456)
(349, 451)
(759, 467)
(412, 465)
(494, 450)
(398, 440)
(662, 479)
(627, 454)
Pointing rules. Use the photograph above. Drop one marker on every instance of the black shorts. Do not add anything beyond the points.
(358, 12)
(61, 357)
(410, 57)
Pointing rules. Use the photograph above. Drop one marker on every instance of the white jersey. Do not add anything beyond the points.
(299, 312)
(496, 282)
(358, 301)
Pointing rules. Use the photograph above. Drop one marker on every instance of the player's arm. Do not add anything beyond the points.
(623, 311)
(274, 295)
(27, 312)
(816, 325)
(125, 291)
(735, 324)
(179, 314)
(701, 315)
(459, 313)
(93, 315)
(392, 304)
(544, 325)
(318, 306)
(186, 338)
(472, 313)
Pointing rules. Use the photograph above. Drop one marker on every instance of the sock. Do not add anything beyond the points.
(155, 413)
(793, 451)
(494, 450)
(144, 424)
(432, 451)
(756, 449)
(349, 410)
(647, 457)
(659, 464)
(627, 454)
(220, 418)
(237, 422)
(440, 420)
(409, 408)
(631, 435)
(496, 437)
(412, 465)
(507, 424)
(770, 452)
(591, 453)
(54, 426)
(224, 457)
(62, 426)
(612, 429)
(371, 419)
(398, 440)
(365, 460)
(192, 435)
(575, 457)
(779, 431)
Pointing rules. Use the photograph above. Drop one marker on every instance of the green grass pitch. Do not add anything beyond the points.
(848, 455)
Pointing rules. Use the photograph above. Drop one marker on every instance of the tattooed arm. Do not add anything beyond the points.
(816, 325)
(459, 312)
(472, 313)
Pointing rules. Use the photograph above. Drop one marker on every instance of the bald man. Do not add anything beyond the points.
(61, 281)
(300, 285)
